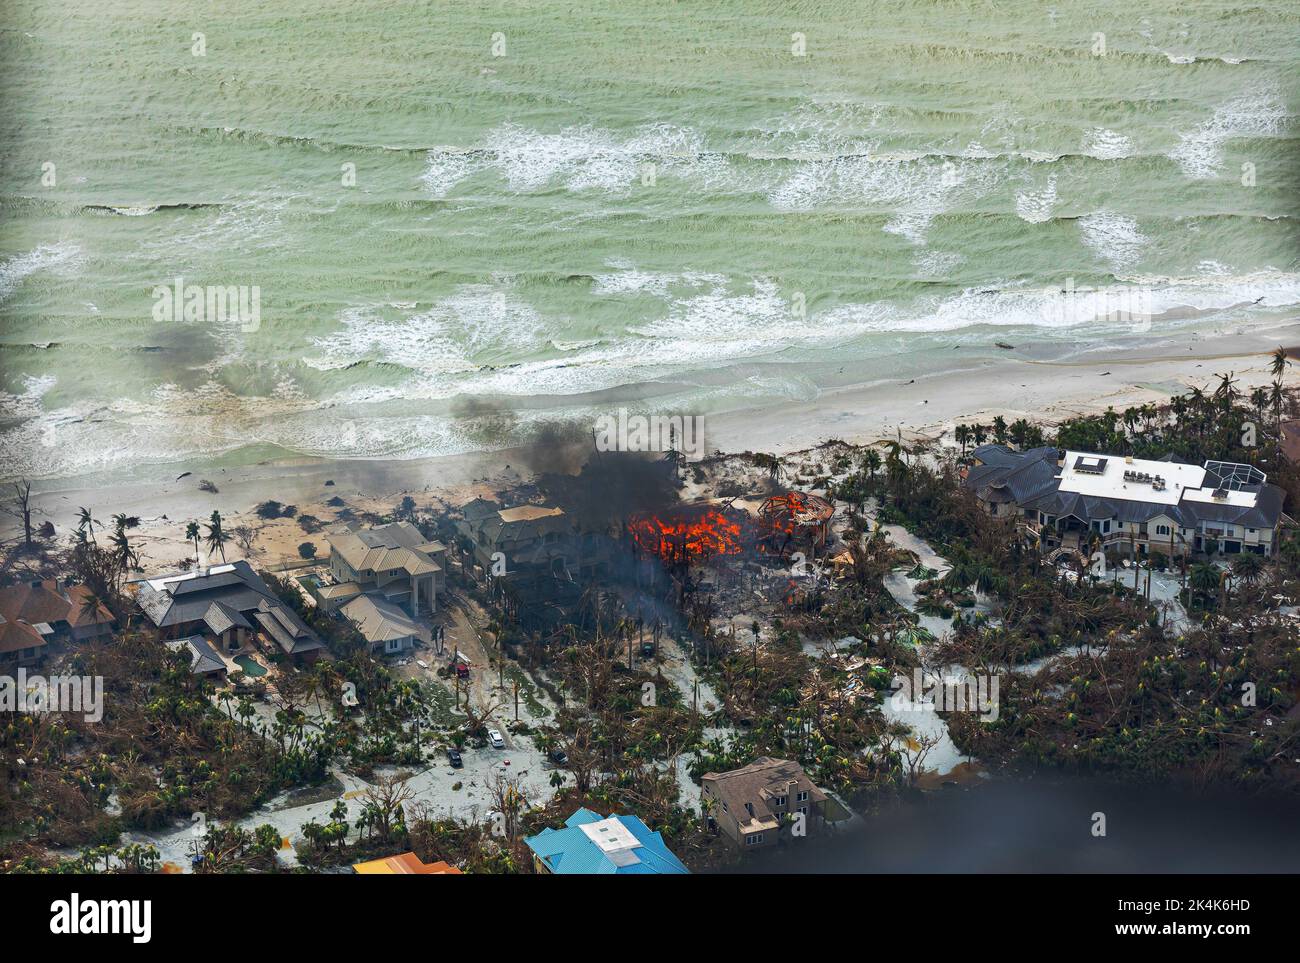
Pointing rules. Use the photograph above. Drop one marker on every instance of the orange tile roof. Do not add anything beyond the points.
(405, 864)
(17, 635)
(48, 601)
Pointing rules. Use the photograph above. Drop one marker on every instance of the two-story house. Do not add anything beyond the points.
(532, 542)
(394, 561)
(763, 803)
(1073, 499)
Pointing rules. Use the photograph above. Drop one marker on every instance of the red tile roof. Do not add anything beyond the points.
(48, 601)
(16, 636)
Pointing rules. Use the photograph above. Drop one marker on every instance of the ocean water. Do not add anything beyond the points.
(463, 219)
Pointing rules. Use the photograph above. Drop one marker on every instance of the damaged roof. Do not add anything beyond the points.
(16, 635)
(203, 658)
(592, 844)
(748, 790)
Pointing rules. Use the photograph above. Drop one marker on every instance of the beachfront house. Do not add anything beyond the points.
(529, 543)
(394, 561)
(39, 613)
(759, 805)
(227, 604)
(1075, 500)
(592, 844)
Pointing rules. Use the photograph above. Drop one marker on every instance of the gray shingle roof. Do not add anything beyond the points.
(289, 632)
(203, 658)
(192, 599)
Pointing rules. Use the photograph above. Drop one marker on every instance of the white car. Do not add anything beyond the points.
(494, 737)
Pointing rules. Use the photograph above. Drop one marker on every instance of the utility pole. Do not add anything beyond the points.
(516, 700)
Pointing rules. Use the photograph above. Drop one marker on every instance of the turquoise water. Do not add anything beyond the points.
(250, 666)
(657, 203)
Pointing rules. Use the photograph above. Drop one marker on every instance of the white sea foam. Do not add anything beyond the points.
(937, 264)
(916, 191)
(581, 158)
(62, 255)
(1037, 206)
(704, 324)
(1106, 144)
(448, 167)
(1115, 238)
(1260, 113)
(28, 403)
(479, 324)
(631, 281)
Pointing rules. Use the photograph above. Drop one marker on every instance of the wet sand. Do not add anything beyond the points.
(1013, 387)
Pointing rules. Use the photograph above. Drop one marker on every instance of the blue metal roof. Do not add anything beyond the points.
(571, 851)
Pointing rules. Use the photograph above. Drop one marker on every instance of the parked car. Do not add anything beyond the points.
(558, 756)
(462, 671)
(453, 757)
(494, 737)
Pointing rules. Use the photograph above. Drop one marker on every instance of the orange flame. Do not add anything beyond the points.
(686, 537)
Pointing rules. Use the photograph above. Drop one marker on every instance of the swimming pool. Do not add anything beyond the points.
(250, 665)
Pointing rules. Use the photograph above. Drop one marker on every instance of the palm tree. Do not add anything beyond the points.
(962, 433)
(216, 538)
(90, 606)
(1203, 580)
(1226, 394)
(895, 466)
(1248, 567)
(1278, 366)
(1000, 430)
(1131, 416)
(192, 534)
(85, 524)
(871, 462)
(124, 554)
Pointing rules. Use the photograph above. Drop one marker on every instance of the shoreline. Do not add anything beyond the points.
(928, 407)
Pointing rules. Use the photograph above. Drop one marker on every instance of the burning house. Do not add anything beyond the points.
(688, 533)
(795, 519)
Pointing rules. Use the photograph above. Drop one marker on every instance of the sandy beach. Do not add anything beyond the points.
(1013, 386)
